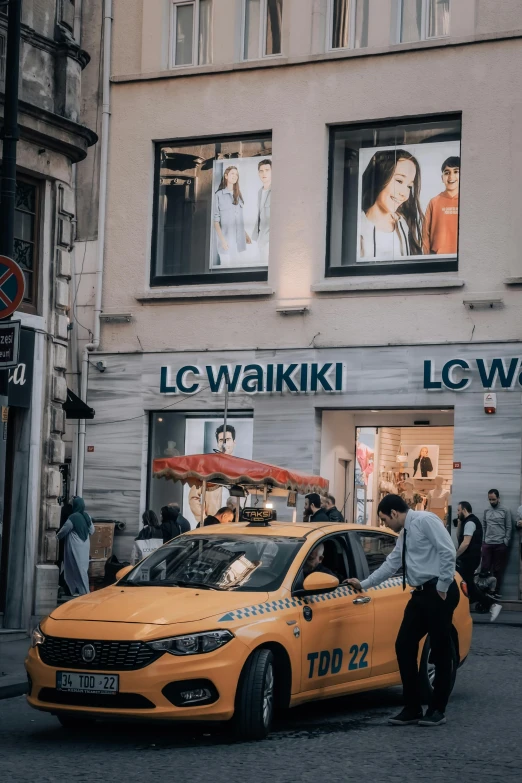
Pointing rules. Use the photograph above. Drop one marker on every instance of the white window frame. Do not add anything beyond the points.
(424, 23)
(329, 27)
(174, 5)
(263, 24)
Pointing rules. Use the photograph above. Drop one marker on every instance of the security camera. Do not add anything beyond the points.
(101, 366)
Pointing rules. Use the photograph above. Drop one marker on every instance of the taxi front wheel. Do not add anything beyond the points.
(255, 697)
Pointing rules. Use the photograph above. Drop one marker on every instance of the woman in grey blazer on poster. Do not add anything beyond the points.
(229, 223)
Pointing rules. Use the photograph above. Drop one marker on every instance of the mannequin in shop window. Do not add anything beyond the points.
(438, 499)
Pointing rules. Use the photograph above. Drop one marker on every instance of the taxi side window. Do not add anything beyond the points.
(377, 546)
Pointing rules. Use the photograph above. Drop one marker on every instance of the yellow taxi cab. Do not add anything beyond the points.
(227, 623)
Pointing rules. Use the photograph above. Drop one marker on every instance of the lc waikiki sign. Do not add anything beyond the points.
(254, 378)
(456, 374)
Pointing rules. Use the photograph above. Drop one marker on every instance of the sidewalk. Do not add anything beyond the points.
(13, 679)
(505, 618)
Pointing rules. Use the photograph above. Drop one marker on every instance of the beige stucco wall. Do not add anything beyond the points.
(298, 102)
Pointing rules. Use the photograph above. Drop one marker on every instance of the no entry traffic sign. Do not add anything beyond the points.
(11, 286)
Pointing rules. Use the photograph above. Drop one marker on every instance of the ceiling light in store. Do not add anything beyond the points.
(444, 410)
(375, 411)
(160, 419)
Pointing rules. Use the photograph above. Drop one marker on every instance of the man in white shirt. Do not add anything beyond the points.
(261, 232)
(426, 553)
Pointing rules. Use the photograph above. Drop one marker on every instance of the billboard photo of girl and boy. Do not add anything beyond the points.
(408, 201)
(242, 193)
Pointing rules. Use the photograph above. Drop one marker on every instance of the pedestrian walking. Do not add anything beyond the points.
(426, 553)
(75, 533)
(498, 527)
(332, 512)
(148, 539)
(224, 516)
(469, 538)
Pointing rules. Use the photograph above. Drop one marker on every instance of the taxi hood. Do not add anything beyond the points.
(154, 605)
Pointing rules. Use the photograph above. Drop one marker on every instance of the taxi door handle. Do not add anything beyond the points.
(364, 600)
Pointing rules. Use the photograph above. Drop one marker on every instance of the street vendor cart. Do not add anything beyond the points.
(243, 477)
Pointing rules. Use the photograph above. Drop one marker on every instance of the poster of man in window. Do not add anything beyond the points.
(241, 201)
(408, 201)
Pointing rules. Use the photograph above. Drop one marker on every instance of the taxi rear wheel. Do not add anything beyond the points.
(255, 697)
(427, 670)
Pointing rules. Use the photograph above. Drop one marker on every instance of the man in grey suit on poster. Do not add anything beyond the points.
(261, 233)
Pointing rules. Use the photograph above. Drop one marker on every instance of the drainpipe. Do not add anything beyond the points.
(102, 204)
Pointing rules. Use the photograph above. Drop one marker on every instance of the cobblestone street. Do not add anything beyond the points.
(341, 740)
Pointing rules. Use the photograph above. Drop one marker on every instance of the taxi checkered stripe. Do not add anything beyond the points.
(273, 607)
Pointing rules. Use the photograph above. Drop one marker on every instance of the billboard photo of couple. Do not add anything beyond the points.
(408, 201)
(241, 201)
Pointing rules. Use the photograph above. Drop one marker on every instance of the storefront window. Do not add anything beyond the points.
(176, 434)
(212, 211)
(394, 197)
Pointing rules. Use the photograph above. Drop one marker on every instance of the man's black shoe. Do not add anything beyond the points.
(407, 717)
(433, 718)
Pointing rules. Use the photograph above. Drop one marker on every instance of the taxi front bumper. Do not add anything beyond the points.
(146, 693)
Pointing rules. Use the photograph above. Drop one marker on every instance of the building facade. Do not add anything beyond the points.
(363, 319)
(52, 140)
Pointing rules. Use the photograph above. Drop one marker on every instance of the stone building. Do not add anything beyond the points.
(392, 251)
(53, 139)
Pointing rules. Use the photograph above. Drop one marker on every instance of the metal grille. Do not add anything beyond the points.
(109, 656)
(119, 701)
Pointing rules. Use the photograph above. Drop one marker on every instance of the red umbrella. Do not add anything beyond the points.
(197, 469)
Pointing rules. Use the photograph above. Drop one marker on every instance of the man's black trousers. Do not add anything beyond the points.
(427, 613)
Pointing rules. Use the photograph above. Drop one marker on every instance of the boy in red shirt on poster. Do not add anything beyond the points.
(441, 224)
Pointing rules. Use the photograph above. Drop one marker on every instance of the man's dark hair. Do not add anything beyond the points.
(223, 509)
(169, 513)
(494, 492)
(264, 162)
(391, 503)
(331, 499)
(229, 428)
(314, 499)
(451, 163)
(466, 506)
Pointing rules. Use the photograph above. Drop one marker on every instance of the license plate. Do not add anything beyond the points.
(76, 682)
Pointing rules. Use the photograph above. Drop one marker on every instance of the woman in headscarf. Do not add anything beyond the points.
(149, 538)
(75, 534)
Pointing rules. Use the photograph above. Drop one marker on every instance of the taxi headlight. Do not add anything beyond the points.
(193, 643)
(37, 637)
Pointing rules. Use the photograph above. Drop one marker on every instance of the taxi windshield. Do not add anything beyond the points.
(246, 563)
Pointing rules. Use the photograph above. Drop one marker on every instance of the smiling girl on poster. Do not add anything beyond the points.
(228, 220)
(390, 223)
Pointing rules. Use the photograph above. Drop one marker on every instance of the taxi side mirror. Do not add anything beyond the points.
(123, 572)
(317, 582)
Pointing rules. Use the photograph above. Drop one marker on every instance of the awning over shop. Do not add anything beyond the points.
(75, 408)
(225, 469)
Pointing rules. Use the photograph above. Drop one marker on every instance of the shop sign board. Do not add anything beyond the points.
(254, 378)
(460, 374)
(20, 385)
(9, 344)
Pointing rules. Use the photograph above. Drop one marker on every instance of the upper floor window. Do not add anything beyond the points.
(421, 20)
(348, 24)
(26, 230)
(394, 197)
(191, 32)
(262, 28)
(212, 210)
